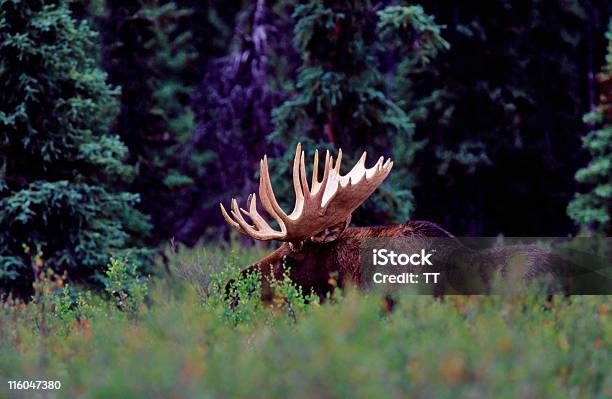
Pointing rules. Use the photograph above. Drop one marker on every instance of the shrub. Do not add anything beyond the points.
(124, 284)
(182, 347)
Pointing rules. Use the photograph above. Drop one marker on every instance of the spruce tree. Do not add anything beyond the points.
(155, 50)
(234, 106)
(591, 210)
(61, 169)
(346, 96)
(509, 97)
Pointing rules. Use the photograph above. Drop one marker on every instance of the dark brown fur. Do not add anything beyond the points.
(322, 266)
(314, 264)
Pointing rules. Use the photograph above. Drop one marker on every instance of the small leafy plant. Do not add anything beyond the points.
(125, 285)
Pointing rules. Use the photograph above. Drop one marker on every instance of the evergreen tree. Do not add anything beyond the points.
(345, 96)
(592, 210)
(155, 50)
(508, 99)
(234, 106)
(60, 168)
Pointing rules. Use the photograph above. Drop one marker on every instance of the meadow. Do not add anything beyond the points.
(181, 336)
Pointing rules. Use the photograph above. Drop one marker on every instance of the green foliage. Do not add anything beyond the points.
(291, 298)
(500, 111)
(171, 60)
(343, 95)
(71, 307)
(208, 274)
(151, 51)
(592, 210)
(243, 299)
(61, 171)
(459, 347)
(410, 24)
(125, 285)
(145, 56)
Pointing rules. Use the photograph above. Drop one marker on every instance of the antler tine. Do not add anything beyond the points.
(297, 186)
(229, 220)
(318, 187)
(362, 159)
(315, 171)
(266, 193)
(388, 164)
(258, 221)
(240, 219)
(329, 160)
(262, 230)
(337, 167)
(303, 176)
(374, 169)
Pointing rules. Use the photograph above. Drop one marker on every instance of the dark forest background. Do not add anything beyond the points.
(123, 124)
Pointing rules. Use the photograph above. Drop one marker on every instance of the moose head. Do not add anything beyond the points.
(317, 242)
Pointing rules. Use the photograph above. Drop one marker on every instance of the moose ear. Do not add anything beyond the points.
(331, 233)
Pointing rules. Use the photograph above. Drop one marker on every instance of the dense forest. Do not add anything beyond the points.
(123, 124)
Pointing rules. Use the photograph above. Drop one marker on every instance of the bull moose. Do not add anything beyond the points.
(317, 241)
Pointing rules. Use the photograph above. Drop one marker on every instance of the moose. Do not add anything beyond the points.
(317, 242)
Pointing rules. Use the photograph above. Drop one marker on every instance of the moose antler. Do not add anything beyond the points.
(324, 204)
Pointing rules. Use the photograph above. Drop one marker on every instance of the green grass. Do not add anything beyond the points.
(181, 342)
